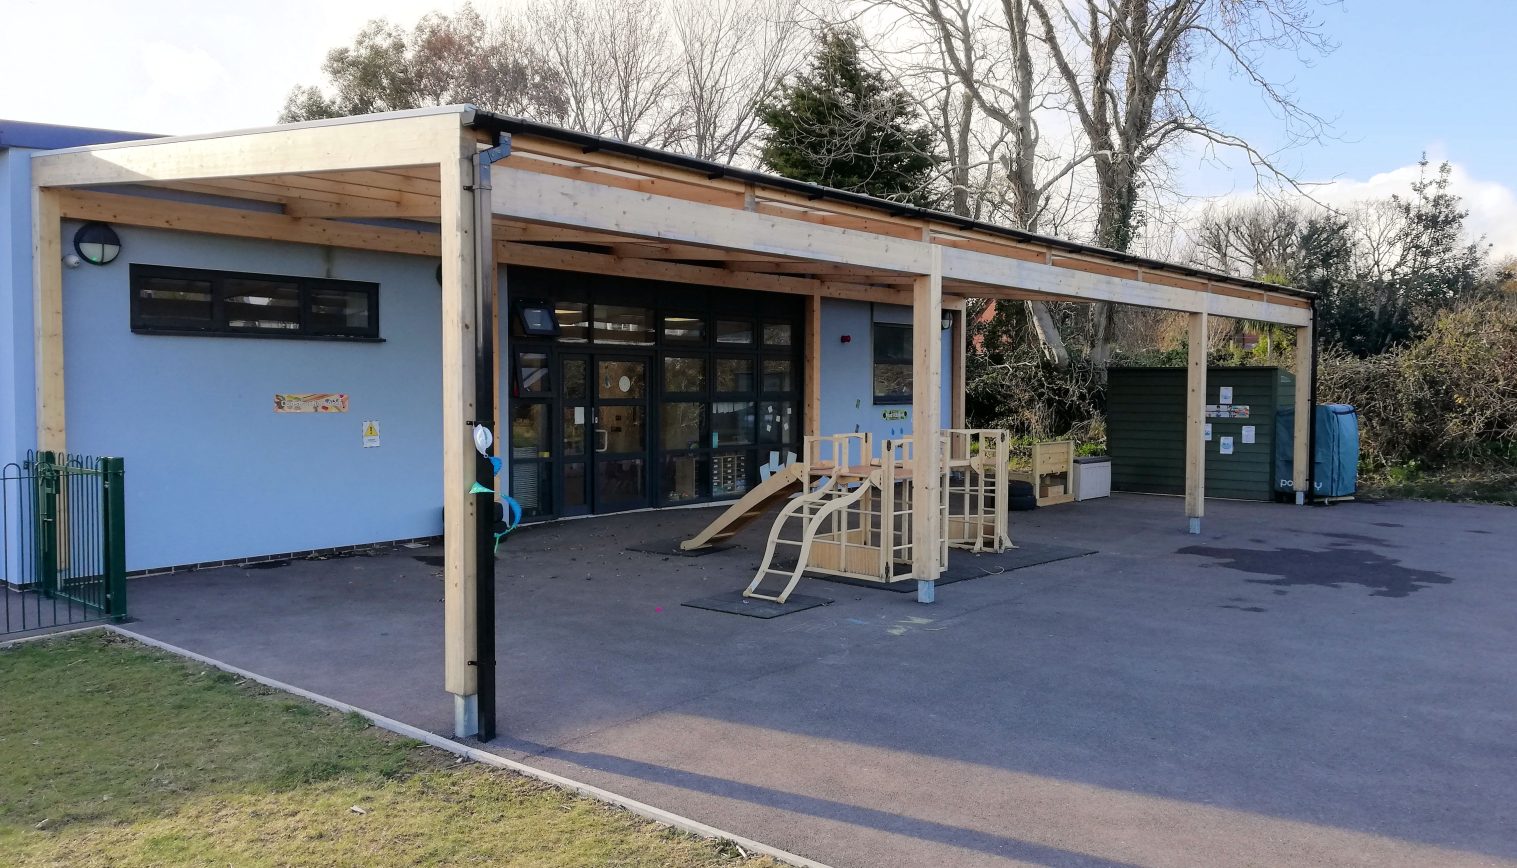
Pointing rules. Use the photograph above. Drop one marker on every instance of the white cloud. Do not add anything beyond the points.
(1492, 205)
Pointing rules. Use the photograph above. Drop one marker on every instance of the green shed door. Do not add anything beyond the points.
(1145, 426)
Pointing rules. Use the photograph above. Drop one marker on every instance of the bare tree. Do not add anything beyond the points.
(983, 68)
(621, 77)
(733, 54)
(1125, 65)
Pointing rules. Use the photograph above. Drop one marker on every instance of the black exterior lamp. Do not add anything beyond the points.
(97, 243)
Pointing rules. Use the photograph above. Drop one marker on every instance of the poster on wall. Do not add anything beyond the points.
(1226, 446)
(310, 402)
(370, 434)
(1224, 394)
(1208, 432)
(1248, 434)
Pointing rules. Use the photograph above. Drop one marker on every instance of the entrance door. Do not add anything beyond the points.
(605, 433)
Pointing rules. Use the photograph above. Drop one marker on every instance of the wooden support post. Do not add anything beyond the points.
(958, 381)
(1302, 457)
(47, 300)
(460, 603)
(1195, 425)
(926, 413)
(812, 376)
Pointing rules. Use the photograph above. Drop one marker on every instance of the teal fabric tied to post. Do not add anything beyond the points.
(513, 518)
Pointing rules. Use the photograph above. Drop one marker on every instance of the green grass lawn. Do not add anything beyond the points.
(112, 753)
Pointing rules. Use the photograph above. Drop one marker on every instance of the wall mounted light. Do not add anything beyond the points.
(947, 321)
(97, 243)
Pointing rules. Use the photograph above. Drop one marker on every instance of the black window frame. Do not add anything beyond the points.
(875, 361)
(219, 326)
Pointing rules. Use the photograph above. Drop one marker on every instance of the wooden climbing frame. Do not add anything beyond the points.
(855, 520)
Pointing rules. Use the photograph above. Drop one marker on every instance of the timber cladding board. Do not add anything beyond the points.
(1145, 419)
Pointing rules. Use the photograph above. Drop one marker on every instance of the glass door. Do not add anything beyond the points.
(576, 410)
(618, 418)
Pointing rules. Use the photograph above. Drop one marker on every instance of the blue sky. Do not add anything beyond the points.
(1408, 76)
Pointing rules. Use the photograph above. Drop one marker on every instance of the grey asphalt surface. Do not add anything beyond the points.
(1302, 686)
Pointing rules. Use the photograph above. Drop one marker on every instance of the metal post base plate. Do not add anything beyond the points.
(465, 715)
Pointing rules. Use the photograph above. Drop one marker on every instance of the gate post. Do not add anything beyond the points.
(113, 526)
(45, 520)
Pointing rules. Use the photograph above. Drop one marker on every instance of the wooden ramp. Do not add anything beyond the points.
(779, 487)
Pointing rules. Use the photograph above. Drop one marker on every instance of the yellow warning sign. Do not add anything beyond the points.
(370, 434)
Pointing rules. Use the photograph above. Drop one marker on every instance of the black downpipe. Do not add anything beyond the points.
(485, 386)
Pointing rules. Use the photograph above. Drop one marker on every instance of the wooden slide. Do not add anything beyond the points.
(779, 487)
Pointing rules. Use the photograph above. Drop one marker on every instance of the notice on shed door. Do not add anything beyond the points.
(1248, 434)
(1225, 445)
(1224, 394)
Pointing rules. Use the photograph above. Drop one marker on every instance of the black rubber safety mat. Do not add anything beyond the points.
(963, 566)
(734, 603)
(671, 547)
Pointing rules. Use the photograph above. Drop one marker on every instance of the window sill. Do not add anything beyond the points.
(192, 333)
(903, 401)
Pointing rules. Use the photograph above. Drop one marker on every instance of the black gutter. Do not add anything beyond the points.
(589, 144)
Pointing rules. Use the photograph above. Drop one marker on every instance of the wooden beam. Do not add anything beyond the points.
(677, 272)
(47, 311)
(213, 220)
(541, 198)
(1195, 423)
(797, 206)
(926, 422)
(984, 268)
(811, 378)
(460, 604)
(854, 272)
(372, 143)
(1302, 457)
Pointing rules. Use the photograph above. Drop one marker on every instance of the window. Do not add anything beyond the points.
(777, 334)
(615, 324)
(777, 376)
(573, 322)
(734, 375)
(168, 300)
(532, 374)
(892, 363)
(734, 332)
(684, 374)
(684, 330)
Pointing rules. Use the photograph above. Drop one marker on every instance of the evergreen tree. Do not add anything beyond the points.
(841, 124)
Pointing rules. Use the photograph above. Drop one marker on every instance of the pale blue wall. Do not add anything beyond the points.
(212, 472)
(17, 406)
(847, 380)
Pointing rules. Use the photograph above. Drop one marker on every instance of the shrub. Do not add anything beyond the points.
(1448, 398)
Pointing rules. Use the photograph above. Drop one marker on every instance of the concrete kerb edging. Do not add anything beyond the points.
(684, 824)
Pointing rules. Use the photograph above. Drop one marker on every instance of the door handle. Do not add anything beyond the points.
(604, 440)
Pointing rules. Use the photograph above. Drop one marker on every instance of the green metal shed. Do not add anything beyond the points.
(1145, 429)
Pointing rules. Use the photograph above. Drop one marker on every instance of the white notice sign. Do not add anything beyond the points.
(1208, 432)
(1224, 394)
(1248, 433)
(370, 434)
(1226, 446)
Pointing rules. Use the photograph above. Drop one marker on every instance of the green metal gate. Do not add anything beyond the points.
(62, 542)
